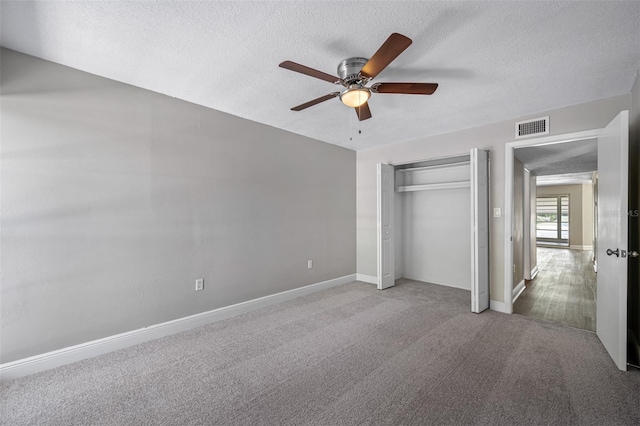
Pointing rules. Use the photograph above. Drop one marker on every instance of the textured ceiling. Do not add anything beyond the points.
(493, 60)
(561, 158)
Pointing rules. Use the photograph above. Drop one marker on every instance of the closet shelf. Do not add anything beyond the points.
(438, 166)
(433, 186)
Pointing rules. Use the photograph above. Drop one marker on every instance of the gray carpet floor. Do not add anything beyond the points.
(412, 354)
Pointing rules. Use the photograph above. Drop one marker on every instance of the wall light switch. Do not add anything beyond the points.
(497, 212)
(199, 284)
(309, 264)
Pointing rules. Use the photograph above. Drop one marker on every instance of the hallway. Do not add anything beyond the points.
(564, 291)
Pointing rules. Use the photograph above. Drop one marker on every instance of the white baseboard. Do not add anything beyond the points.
(367, 279)
(46, 361)
(499, 307)
(517, 291)
(577, 247)
(534, 272)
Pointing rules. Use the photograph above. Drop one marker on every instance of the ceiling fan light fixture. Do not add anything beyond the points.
(355, 96)
(355, 73)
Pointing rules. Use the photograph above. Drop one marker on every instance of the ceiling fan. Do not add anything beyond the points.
(356, 73)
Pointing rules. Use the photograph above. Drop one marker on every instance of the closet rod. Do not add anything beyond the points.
(438, 166)
(432, 186)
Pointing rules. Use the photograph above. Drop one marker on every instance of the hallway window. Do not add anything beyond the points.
(552, 219)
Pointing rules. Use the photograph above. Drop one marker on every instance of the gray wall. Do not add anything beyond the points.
(518, 222)
(588, 207)
(634, 221)
(116, 199)
(492, 137)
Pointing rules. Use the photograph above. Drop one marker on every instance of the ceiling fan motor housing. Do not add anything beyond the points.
(349, 70)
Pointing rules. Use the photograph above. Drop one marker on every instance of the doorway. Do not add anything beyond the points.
(560, 286)
(612, 225)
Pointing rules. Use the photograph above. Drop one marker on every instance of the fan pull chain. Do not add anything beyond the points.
(351, 124)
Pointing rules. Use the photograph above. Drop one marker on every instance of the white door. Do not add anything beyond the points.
(386, 190)
(479, 230)
(611, 319)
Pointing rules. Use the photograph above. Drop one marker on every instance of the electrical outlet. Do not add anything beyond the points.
(309, 264)
(199, 284)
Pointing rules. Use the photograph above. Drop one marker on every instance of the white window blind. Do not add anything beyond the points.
(552, 219)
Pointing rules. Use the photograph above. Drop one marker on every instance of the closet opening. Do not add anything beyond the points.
(433, 223)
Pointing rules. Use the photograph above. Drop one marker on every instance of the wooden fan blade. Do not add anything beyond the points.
(309, 71)
(390, 49)
(405, 88)
(315, 101)
(363, 112)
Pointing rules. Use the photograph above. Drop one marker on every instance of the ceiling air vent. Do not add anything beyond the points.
(537, 126)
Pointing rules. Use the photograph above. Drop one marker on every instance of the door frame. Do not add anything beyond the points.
(508, 197)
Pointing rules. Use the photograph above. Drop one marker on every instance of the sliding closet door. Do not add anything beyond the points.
(479, 230)
(386, 189)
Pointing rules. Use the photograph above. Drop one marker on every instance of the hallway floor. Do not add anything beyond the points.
(564, 291)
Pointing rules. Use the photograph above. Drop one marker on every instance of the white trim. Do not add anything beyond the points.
(508, 197)
(517, 291)
(577, 247)
(534, 272)
(556, 139)
(526, 226)
(499, 307)
(508, 228)
(370, 279)
(68, 355)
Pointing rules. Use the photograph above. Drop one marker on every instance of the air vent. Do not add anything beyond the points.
(537, 126)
